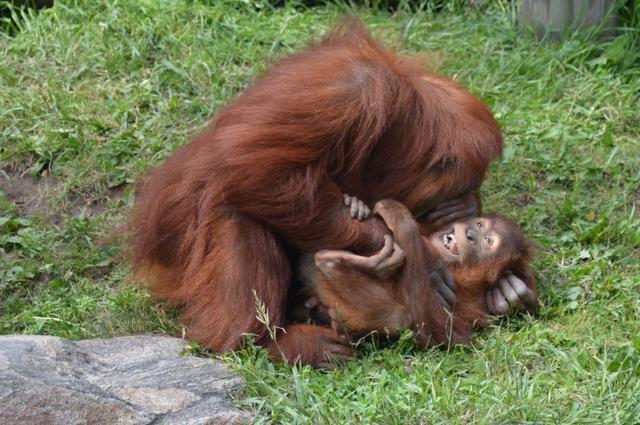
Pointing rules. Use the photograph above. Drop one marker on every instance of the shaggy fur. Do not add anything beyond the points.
(218, 220)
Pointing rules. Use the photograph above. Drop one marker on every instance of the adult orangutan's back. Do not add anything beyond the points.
(345, 115)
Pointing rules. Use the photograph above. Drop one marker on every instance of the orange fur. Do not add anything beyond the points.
(365, 304)
(219, 218)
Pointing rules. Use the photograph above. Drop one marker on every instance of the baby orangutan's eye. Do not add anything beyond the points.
(478, 225)
(489, 241)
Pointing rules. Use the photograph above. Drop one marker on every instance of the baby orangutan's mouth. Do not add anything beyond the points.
(449, 242)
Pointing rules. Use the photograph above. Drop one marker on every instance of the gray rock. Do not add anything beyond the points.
(126, 380)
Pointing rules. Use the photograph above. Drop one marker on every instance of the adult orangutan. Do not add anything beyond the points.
(481, 253)
(216, 225)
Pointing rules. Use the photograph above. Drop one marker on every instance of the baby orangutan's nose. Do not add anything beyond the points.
(471, 236)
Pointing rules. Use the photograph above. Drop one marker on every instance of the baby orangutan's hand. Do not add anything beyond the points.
(511, 293)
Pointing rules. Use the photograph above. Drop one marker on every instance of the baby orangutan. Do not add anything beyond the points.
(365, 294)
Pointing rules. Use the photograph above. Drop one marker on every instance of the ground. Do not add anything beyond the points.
(92, 94)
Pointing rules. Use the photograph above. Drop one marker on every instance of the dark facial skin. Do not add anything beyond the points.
(461, 208)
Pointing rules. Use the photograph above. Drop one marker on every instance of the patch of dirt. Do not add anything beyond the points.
(33, 196)
(10, 256)
(96, 204)
(27, 193)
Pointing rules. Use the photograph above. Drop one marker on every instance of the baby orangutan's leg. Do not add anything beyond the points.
(381, 265)
(320, 347)
(407, 232)
(359, 303)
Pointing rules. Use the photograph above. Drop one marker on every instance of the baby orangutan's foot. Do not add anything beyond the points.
(382, 265)
(397, 218)
(311, 345)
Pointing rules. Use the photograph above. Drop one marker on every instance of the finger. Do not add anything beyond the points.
(354, 207)
(337, 358)
(447, 294)
(436, 278)
(395, 260)
(333, 338)
(361, 210)
(450, 202)
(448, 277)
(508, 292)
(387, 248)
(367, 212)
(460, 215)
(501, 305)
(452, 206)
(436, 281)
(448, 219)
(379, 208)
(441, 212)
(442, 301)
(347, 199)
(341, 350)
(390, 265)
(452, 218)
(311, 302)
(491, 307)
(326, 365)
(521, 289)
(341, 359)
(398, 256)
(335, 259)
(526, 273)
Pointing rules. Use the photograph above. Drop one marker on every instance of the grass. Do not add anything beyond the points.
(94, 93)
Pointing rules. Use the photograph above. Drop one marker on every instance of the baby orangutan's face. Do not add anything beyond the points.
(471, 241)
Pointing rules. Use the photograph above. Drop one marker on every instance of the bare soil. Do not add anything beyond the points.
(33, 196)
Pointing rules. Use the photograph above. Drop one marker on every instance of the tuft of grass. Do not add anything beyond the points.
(92, 94)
